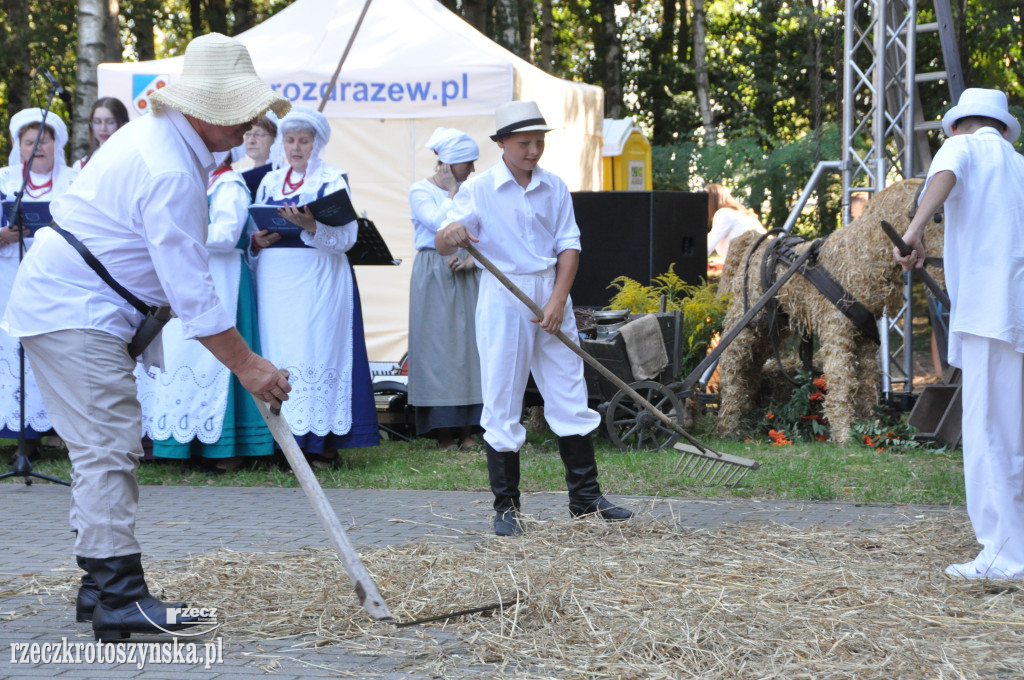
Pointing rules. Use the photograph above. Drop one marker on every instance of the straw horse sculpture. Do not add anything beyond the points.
(859, 257)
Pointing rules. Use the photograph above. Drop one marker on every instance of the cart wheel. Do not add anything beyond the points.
(632, 427)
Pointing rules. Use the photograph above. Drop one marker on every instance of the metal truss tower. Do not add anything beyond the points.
(885, 135)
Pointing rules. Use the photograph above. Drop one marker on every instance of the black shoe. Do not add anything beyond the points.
(577, 452)
(507, 523)
(125, 605)
(603, 507)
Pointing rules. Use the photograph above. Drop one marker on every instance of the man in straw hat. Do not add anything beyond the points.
(979, 177)
(521, 218)
(139, 209)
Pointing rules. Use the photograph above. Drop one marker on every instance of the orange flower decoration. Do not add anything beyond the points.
(769, 415)
(817, 396)
(820, 383)
(868, 441)
(778, 438)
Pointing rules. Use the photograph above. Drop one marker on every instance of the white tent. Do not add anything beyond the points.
(414, 65)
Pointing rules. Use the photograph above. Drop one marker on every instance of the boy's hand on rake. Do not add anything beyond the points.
(552, 319)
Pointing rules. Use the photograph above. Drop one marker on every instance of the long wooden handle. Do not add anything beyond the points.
(597, 365)
(366, 589)
(927, 278)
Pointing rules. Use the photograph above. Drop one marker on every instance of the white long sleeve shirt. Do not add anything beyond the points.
(140, 208)
(726, 225)
(521, 231)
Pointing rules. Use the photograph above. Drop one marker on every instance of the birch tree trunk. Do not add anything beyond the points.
(98, 42)
(700, 66)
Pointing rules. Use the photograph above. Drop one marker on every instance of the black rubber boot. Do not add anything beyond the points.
(503, 470)
(577, 452)
(125, 605)
(88, 595)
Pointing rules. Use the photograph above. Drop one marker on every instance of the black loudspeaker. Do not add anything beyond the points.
(638, 234)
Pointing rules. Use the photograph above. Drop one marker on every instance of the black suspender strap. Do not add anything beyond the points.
(97, 267)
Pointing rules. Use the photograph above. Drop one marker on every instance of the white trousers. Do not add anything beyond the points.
(86, 379)
(993, 443)
(510, 347)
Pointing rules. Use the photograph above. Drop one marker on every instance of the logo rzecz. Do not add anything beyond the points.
(144, 85)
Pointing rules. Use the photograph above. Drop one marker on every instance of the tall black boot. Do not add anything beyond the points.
(88, 595)
(577, 452)
(503, 470)
(125, 605)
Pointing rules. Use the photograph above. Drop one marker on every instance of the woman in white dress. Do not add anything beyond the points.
(108, 115)
(727, 219)
(444, 367)
(48, 178)
(195, 406)
(310, 317)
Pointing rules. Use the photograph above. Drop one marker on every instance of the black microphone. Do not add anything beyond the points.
(61, 92)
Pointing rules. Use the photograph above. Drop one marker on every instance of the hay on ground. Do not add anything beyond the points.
(643, 600)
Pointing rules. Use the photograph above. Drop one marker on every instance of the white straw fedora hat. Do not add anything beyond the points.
(515, 117)
(219, 85)
(975, 101)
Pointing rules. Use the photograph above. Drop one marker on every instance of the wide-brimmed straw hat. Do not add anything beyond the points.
(219, 85)
(516, 117)
(976, 101)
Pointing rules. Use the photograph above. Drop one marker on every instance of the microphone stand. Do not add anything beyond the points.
(21, 464)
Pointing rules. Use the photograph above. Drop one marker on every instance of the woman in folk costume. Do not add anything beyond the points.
(310, 317)
(195, 405)
(49, 177)
(444, 367)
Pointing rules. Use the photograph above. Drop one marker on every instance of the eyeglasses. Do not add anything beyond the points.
(255, 134)
(103, 123)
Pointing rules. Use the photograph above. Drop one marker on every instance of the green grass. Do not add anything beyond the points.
(818, 471)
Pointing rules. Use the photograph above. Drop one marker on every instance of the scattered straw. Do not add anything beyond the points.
(644, 600)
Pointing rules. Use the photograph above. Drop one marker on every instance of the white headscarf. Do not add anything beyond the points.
(29, 116)
(302, 118)
(453, 146)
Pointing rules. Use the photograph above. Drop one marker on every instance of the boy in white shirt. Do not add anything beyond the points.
(979, 177)
(521, 218)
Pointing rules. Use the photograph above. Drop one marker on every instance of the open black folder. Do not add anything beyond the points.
(333, 210)
(34, 214)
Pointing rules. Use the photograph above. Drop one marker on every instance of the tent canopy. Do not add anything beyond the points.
(413, 66)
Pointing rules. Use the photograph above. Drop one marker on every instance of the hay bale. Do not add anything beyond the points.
(859, 257)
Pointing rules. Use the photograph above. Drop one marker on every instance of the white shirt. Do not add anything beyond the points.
(430, 205)
(521, 231)
(140, 208)
(726, 225)
(983, 257)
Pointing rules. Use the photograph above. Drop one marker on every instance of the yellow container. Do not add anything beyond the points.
(627, 157)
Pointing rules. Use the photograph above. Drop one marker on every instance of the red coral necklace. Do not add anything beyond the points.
(289, 186)
(42, 189)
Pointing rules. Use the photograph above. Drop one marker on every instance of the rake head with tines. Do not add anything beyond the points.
(712, 467)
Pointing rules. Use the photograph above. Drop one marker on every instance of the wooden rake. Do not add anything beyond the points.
(701, 462)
